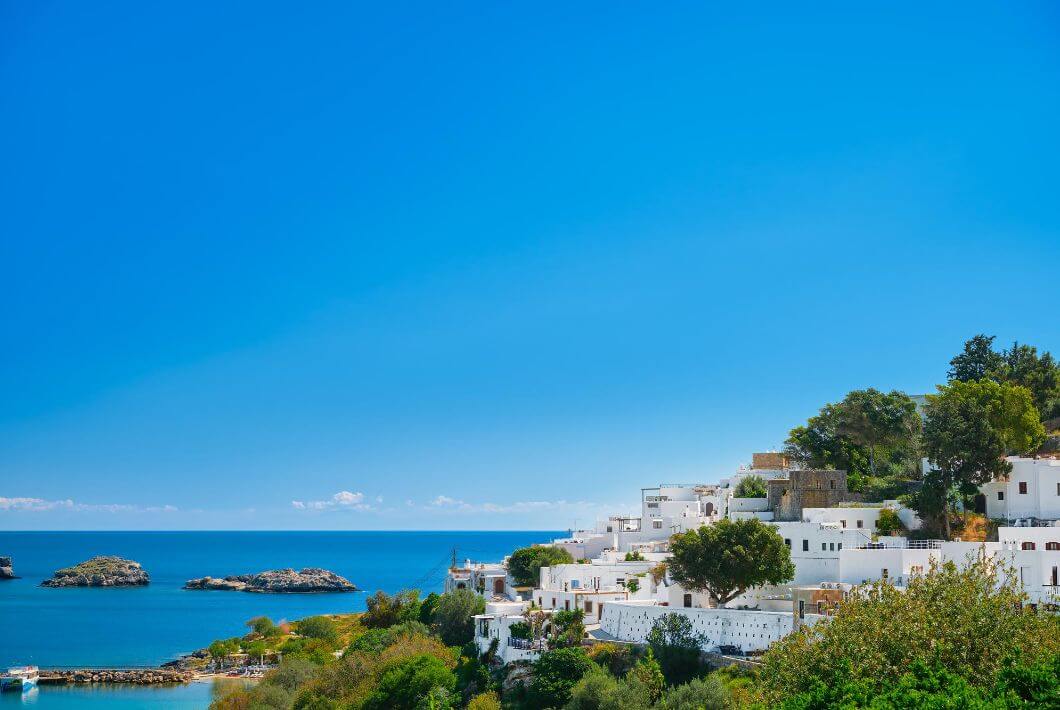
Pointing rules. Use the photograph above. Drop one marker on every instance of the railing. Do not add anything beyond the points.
(526, 644)
(905, 545)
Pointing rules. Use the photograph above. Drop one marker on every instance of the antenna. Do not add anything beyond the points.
(453, 558)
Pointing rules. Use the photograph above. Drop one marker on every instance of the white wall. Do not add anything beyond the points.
(750, 630)
(813, 564)
(1041, 500)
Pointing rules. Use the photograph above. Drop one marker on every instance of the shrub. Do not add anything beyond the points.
(385, 610)
(525, 564)
(402, 686)
(318, 627)
(485, 701)
(555, 673)
(452, 617)
(697, 694)
(677, 647)
(634, 556)
(750, 487)
(889, 523)
(599, 690)
(617, 658)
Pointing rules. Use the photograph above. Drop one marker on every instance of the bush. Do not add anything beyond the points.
(555, 673)
(452, 617)
(485, 701)
(385, 611)
(698, 694)
(402, 686)
(634, 556)
(677, 647)
(263, 626)
(889, 523)
(967, 621)
(750, 487)
(616, 658)
(599, 690)
(525, 564)
(318, 627)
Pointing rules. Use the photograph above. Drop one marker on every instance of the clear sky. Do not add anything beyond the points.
(488, 265)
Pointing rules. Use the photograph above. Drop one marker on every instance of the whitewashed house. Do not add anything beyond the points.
(1030, 492)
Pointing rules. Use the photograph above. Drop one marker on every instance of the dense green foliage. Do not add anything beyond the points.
(555, 674)
(729, 557)
(970, 427)
(385, 610)
(525, 564)
(872, 435)
(451, 618)
(968, 621)
(1019, 365)
(677, 647)
(750, 487)
(889, 523)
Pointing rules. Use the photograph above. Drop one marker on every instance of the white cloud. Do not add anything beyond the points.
(343, 500)
(447, 503)
(37, 505)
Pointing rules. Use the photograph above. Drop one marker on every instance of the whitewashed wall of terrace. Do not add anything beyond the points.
(750, 630)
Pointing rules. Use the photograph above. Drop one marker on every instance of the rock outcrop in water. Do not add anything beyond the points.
(6, 571)
(100, 572)
(135, 676)
(277, 581)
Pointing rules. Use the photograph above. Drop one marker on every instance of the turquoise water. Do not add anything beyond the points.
(192, 696)
(150, 625)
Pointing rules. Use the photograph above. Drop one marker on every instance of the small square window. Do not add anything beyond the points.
(823, 547)
(861, 524)
(1001, 495)
(1023, 487)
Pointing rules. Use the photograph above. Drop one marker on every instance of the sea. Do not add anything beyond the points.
(146, 626)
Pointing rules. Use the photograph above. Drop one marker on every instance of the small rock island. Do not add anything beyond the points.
(277, 581)
(100, 571)
(6, 571)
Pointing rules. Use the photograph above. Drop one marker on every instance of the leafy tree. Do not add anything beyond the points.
(750, 487)
(619, 659)
(977, 361)
(318, 627)
(697, 694)
(729, 557)
(403, 685)
(889, 523)
(555, 673)
(452, 620)
(263, 626)
(525, 564)
(970, 428)
(290, 674)
(568, 628)
(819, 444)
(599, 690)
(519, 630)
(485, 701)
(472, 675)
(256, 649)
(967, 620)
(677, 647)
(427, 607)
(634, 556)
(385, 610)
(648, 673)
(873, 420)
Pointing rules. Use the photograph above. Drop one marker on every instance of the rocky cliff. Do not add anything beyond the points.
(6, 571)
(100, 572)
(277, 581)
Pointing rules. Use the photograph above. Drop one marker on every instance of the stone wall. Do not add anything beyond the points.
(808, 488)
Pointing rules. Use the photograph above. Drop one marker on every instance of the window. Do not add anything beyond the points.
(588, 607)
(1052, 546)
(916, 569)
(861, 524)
(823, 547)
(1023, 487)
(1027, 546)
(688, 601)
(1001, 495)
(657, 524)
(1058, 489)
(843, 523)
(831, 484)
(805, 545)
(566, 605)
(883, 573)
(802, 609)
(1056, 577)
(787, 541)
(840, 546)
(553, 603)
(831, 547)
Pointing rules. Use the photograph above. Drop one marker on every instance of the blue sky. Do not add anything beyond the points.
(470, 265)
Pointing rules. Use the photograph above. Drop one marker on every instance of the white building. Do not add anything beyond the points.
(747, 630)
(1030, 492)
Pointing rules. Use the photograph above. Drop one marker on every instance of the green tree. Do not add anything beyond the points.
(750, 487)
(404, 685)
(318, 627)
(634, 556)
(555, 673)
(874, 420)
(889, 523)
(970, 428)
(677, 647)
(427, 607)
(633, 585)
(568, 628)
(452, 617)
(819, 444)
(697, 694)
(729, 557)
(966, 619)
(263, 626)
(648, 673)
(485, 701)
(385, 610)
(525, 564)
(977, 361)
(599, 690)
